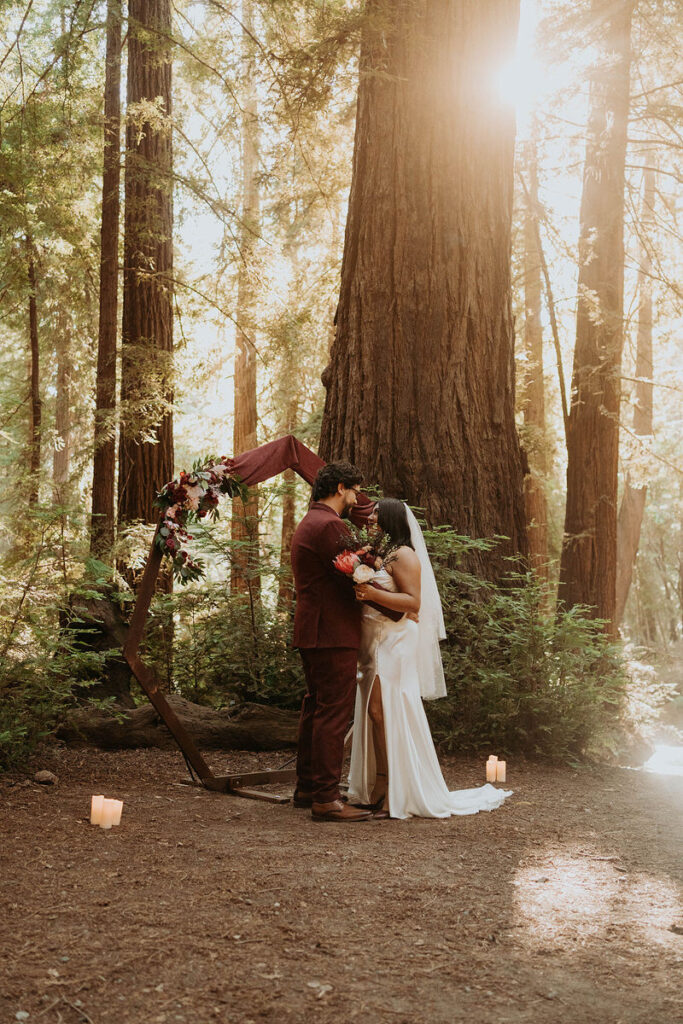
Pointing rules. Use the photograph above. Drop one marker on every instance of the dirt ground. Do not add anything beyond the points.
(562, 906)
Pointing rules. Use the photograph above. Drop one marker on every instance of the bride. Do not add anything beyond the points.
(394, 766)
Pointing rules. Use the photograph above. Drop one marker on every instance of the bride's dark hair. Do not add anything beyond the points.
(392, 519)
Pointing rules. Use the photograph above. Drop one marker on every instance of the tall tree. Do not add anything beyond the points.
(633, 499)
(245, 517)
(286, 582)
(61, 460)
(420, 383)
(104, 462)
(589, 548)
(533, 385)
(146, 441)
(35, 419)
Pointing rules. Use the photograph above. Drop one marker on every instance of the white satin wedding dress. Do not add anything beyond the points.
(389, 650)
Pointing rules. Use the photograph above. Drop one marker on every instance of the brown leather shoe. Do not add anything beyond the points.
(338, 811)
(301, 798)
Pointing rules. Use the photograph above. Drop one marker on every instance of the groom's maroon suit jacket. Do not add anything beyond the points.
(327, 613)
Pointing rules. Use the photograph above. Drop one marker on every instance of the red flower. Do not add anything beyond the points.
(178, 495)
(346, 562)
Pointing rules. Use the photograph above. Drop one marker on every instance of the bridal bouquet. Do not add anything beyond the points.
(359, 565)
(363, 554)
(362, 559)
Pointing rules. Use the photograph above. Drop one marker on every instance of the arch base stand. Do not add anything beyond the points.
(237, 784)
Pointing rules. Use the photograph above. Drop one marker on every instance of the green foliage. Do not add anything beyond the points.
(42, 656)
(520, 676)
(36, 691)
(229, 649)
(226, 652)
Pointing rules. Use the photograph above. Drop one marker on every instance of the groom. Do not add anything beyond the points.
(327, 632)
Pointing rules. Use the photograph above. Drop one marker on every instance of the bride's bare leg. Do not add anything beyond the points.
(376, 713)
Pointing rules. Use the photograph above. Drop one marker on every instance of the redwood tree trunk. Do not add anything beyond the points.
(61, 459)
(35, 420)
(533, 391)
(104, 462)
(245, 517)
(589, 549)
(420, 383)
(633, 499)
(146, 385)
(286, 583)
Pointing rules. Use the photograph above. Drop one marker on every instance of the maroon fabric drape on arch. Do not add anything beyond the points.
(266, 461)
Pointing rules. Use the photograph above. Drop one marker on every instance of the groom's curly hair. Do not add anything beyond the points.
(330, 476)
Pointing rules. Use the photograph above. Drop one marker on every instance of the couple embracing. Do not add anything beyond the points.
(377, 649)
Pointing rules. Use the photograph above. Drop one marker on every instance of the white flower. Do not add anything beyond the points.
(363, 573)
(194, 492)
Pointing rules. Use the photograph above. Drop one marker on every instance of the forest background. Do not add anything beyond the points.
(182, 224)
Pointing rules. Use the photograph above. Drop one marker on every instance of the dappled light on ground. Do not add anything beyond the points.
(572, 895)
(666, 760)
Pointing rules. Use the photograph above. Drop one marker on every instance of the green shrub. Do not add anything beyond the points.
(520, 677)
(225, 652)
(229, 649)
(41, 659)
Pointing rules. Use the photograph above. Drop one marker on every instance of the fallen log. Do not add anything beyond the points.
(249, 727)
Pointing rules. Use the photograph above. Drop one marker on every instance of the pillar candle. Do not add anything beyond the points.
(111, 813)
(500, 771)
(116, 811)
(96, 809)
(106, 815)
(490, 771)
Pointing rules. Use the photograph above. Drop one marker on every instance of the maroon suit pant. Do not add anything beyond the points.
(325, 715)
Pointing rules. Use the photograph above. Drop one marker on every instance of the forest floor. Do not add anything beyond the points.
(561, 906)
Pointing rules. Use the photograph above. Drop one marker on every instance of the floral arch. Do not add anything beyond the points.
(196, 494)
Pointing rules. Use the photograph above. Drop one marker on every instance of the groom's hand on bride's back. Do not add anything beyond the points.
(413, 616)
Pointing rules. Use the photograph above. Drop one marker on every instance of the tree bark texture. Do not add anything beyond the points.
(146, 441)
(35, 419)
(244, 575)
(589, 548)
(104, 461)
(420, 383)
(286, 582)
(633, 499)
(61, 459)
(533, 388)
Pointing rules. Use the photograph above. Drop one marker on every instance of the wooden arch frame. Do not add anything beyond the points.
(253, 467)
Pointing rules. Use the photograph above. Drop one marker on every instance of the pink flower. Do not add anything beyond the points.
(346, 562)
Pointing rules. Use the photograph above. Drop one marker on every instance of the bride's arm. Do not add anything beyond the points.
(406, 575)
